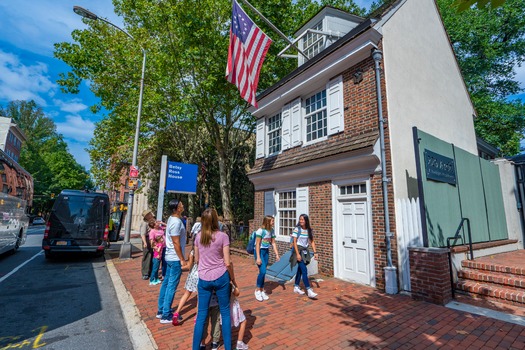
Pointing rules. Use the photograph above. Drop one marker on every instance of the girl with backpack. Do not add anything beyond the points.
(264, 238)
(303, 237)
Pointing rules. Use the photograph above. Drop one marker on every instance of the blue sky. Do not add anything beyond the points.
(28, 70)
(28, 30)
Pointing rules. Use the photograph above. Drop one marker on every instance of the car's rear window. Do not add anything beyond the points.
(81, 210)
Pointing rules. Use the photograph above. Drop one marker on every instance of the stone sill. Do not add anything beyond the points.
(484, 245)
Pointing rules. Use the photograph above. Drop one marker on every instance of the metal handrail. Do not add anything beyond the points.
(455, 238)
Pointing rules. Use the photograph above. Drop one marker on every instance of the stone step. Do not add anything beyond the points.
(473, 264)
(498, 292)
(498, 278)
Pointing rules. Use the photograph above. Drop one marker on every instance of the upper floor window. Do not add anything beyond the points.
(316, 116)
(274, 133)
(313, 43)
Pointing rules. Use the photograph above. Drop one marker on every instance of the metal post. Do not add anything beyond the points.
(390, 270)
(162, 186)
(125, 248)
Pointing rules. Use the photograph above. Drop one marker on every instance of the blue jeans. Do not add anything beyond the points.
(302, 272)
(155, 270)
(163, 262)
(221, 286)
(262, 268)
(169, 286)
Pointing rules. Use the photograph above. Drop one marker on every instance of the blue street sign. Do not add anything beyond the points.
(181, 178)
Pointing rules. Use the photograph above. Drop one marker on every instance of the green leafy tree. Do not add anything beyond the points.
(489, 44)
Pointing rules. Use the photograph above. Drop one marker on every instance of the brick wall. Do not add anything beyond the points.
(430, 275)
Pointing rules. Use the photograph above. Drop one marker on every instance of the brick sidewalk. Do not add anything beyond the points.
(345, 316)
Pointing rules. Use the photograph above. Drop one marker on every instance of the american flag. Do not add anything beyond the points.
(248, 47)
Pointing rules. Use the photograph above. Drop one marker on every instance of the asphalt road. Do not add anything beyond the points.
(67, 303)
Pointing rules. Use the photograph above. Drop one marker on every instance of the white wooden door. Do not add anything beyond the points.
(353, 241)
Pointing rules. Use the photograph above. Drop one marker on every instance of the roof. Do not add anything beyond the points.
(319, 150)
(361, 28)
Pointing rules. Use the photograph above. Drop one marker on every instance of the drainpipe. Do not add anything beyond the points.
(390, 270)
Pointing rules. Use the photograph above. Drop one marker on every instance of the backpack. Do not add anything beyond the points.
(250, 247)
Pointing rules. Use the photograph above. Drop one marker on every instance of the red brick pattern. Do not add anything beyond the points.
(345, 316)
(499, 277)
(430, 275)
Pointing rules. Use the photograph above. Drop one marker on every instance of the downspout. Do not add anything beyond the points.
(390, 270)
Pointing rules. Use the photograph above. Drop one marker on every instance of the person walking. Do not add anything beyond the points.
(212, 253)
(175, 243)
(264, 238)
(303, 237)
(147, 252)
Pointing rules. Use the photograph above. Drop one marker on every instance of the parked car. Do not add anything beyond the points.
(39, 221)
(79, 222)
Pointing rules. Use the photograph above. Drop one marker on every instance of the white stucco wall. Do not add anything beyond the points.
(509, 191)
(424, 87)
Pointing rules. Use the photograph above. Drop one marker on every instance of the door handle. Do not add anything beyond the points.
(343, 242)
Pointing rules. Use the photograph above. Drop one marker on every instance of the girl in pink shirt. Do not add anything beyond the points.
(212, 253)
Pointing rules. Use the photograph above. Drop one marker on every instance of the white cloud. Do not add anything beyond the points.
(45, 22)
(73, 106)
(76, 128)
(23, 82)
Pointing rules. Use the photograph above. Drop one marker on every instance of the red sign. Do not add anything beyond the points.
(133, 172)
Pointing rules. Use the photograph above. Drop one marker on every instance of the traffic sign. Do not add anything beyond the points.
(133, 171)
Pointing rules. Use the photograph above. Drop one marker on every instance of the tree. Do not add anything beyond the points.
(187, 45)
(489, 44)
(44, 154)
(463, 5)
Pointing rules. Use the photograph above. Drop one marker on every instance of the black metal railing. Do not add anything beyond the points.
(449, 246)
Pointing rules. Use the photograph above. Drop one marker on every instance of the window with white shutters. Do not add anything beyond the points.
(274, 134)
(316, 116)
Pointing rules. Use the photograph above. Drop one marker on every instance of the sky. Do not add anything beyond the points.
(28, 70)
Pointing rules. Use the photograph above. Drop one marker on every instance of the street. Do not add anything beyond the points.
(65, 303)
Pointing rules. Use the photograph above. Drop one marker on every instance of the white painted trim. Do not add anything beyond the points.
(335, 206)
(317, 75)
(342, 165)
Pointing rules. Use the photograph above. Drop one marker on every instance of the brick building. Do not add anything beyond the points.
(319, 142)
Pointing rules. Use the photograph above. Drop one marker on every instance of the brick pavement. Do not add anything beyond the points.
(345, 316)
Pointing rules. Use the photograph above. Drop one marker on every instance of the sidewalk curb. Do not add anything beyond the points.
(140, 335)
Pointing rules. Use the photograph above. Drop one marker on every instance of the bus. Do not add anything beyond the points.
(16, 199)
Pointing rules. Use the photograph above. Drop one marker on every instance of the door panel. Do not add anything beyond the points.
(353, 239)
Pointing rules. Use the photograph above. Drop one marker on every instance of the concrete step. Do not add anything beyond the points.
(497, 292)
(494, 267)
(490, 277)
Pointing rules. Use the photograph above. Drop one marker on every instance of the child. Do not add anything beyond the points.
(190, 286)
(156, 236)
(214, 316)
(237, 316)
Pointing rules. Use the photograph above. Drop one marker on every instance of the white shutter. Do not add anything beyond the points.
(285, 127)
(334, 92)
(269, 203)
(301, 201)
(296, 118)
(261, 135)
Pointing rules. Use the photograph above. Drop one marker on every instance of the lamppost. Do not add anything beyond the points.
(125, 250)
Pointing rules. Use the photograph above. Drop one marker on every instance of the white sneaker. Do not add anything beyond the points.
(264, 295)
(258, 295)
(298, 290)
(241, 346)
(311, 293)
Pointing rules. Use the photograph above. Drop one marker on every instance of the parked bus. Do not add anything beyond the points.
(16, 199)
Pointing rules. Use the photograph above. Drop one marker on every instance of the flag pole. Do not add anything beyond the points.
(275, 28)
